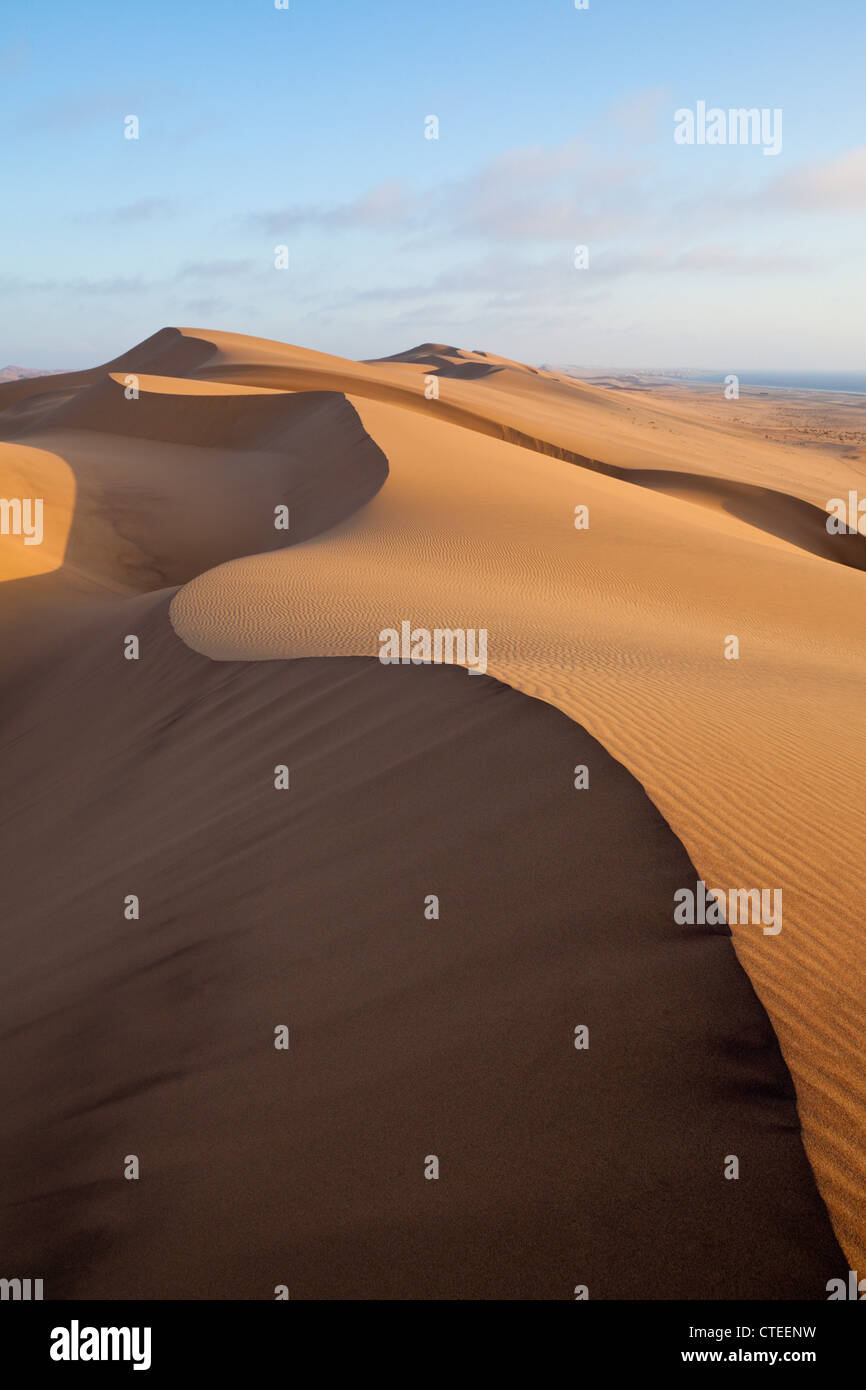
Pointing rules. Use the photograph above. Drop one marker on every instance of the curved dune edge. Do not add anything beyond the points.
(622, 627)
(181, 475)
(408, 1036)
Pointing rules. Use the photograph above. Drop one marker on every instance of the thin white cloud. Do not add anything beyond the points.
(834, 185)
(388, 205)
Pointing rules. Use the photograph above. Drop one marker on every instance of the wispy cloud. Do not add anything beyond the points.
(128, 214)
(389, 205)
(640, 116)
(835, 185)
(110, 284)
(216, 270)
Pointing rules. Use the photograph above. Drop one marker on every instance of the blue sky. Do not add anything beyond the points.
(306, 128)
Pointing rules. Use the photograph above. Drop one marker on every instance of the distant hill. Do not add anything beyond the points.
(20, 373)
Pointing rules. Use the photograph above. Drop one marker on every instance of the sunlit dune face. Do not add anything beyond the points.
(37, 502)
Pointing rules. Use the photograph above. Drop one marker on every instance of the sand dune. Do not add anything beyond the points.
(458, 511)
(408, 1036)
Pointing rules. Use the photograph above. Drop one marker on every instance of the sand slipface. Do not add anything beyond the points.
(441, 489)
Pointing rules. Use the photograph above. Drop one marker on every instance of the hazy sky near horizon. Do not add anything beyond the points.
(306, 127)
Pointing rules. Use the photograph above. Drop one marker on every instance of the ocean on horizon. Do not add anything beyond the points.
(849, 382)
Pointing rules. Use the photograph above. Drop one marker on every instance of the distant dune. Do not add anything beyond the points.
(437, 486)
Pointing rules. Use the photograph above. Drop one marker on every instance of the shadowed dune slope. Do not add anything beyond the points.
(409, 1037)
(203, 413)
(142, 517)
(790, 519)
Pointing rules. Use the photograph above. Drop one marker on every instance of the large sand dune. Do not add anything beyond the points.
(408, 1036)
(457, 511)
